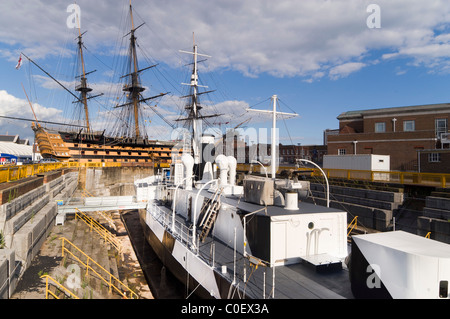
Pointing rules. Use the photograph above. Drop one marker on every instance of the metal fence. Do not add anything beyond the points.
(14, 173)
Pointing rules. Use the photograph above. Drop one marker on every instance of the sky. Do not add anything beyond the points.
(320, 57)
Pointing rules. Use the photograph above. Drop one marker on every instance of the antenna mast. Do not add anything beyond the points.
(274, 132)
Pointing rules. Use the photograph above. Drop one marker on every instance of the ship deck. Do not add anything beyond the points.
(294, 281)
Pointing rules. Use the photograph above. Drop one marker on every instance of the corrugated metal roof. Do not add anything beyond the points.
(16, 149)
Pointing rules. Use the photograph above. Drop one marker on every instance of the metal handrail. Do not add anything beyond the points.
(58, 285)
(102, 231)
(353, 225)
(86, 194)
(180, 231)
(109, 282)
(412, 178)
(14, 173)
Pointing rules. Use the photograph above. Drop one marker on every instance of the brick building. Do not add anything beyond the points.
(289, 153)
(434, 161)
(400, 132)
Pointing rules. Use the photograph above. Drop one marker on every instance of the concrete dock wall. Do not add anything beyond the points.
(374, 208)
(8, 279)
(112, 181)
(436, 217)
(25, 223)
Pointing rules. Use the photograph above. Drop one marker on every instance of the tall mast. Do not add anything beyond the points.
(194, 106)
(82, 87)
(133, 87)
(194, 86)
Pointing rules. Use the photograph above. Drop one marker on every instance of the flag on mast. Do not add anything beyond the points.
(19, 64)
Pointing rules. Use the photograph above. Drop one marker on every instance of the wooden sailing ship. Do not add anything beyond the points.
(85, 145)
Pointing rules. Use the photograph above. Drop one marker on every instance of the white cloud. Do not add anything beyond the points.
(345, 69)
(282, 38)
(12, 106)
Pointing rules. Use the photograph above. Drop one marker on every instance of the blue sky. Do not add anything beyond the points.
(319, 57)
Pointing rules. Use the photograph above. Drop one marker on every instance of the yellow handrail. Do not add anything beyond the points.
(428, 235)
(13, 173)
(85, 193)
(353, 225)
(109, 282)
(102, 231)
(413, 178)
(58, 285)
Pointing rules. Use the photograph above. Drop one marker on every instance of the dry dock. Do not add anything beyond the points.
(69, 272)
(31, 246)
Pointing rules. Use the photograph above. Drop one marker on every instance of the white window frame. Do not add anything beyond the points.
(440, 130)
(380, 127)
(412, 128)
(342, 151)
(434, 157)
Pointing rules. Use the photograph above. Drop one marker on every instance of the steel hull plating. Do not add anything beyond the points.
(199, 277)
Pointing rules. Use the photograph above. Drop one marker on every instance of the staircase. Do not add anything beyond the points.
(212, 208)
(103, 258)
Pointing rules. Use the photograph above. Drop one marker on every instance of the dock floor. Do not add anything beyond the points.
(49, 259)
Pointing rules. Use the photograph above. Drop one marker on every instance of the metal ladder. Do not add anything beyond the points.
(210, 215)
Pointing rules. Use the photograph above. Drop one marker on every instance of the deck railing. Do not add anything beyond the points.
(181, 231)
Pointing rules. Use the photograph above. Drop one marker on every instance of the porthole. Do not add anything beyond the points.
(311, 225)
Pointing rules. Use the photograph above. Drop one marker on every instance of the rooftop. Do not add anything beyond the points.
(13, 139)
(394, 110)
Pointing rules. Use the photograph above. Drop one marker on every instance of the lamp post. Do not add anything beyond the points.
(258, 162)
(324, 175)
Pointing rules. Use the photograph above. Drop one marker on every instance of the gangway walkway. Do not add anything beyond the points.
(95, 204)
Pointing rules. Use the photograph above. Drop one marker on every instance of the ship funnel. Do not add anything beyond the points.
(188, 162)
(232, 164)
(222, 163)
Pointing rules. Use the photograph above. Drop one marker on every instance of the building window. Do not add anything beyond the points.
(380, 127)
(341, 151)
(441, 127)
(409, 126)
(434, 157)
